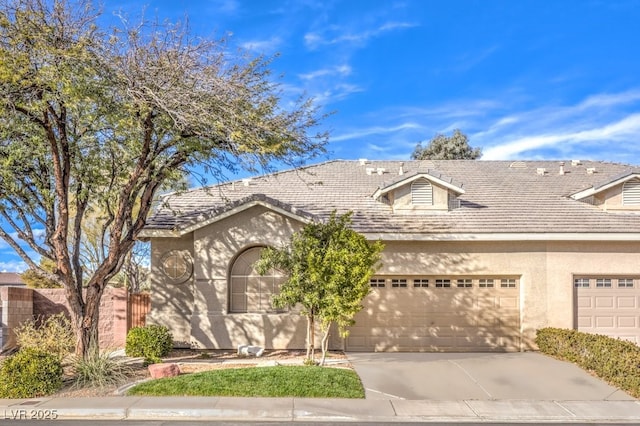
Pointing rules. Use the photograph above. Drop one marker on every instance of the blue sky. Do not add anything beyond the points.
(523, 79)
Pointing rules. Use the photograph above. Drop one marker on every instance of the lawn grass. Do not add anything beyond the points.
(280, 381)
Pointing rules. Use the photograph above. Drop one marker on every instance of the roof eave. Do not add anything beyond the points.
(506, 236)
(294, 214)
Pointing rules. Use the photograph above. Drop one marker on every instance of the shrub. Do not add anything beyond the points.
(53, 335)
(99, 369)
(150, 342)
(30, 373)
(614, 360)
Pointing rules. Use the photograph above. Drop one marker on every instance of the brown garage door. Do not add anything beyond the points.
(431, 313)
(609, 306)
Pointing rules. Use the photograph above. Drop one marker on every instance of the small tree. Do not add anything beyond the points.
(328, 267)
(35, 279)
(442, 147)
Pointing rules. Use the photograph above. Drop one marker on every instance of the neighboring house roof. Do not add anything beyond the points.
(499, 197)
(10, 278)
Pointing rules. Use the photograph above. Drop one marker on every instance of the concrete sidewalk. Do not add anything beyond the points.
(309, 410)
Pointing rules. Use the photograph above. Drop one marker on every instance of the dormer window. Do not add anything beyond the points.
(620, 193)
(422, 192)
(631, 193)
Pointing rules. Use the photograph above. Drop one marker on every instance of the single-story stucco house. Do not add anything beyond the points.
(478, 254)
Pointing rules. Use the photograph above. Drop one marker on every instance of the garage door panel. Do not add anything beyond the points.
(507, 302)
(605, 321)
(630, 322)
(604, 302)
(584, 302)
(445, 320)
(627, 302)
(487, 302)
(611, 310)
(585, 322)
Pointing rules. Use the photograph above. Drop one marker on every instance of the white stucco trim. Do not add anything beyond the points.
(176, 233)
(592, 191)
(505, 237)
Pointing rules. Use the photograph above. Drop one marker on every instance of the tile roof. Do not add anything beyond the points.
(497, 199)
(10, 278)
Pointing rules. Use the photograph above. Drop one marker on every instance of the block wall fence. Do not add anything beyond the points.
(19, 304)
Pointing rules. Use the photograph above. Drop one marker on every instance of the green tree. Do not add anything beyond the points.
(328, 267)
(98, 119)
(442, 147)
(32, 278)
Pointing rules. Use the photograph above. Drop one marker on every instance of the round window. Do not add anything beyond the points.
(176, 266)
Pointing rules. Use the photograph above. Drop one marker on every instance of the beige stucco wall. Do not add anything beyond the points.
(197, 310)
(545, 269)
(216, 246)
(171, 304)
(610, 199)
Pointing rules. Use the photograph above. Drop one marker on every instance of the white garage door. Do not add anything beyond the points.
(432, 313)
(609, 306)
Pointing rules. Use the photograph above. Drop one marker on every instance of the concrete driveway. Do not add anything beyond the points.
(477, 376)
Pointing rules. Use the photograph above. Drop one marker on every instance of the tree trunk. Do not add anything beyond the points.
(325, 344)
(311, 337)
(87, 342)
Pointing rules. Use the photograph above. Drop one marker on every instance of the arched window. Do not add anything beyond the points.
(631, 193)
(250, 291)
(422, 192)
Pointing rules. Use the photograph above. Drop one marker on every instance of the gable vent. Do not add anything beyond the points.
(631, 193)
(422, 192)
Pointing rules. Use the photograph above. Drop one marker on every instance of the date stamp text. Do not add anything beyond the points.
(28, 414)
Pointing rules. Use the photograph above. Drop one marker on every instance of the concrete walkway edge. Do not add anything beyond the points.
(310, 409)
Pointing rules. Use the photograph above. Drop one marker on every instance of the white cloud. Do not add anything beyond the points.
(608, 99)
(13, 266)
(376, 130)
(337, 35)
(340, 70)
(624, 129)
(336, 93)
(263, 46)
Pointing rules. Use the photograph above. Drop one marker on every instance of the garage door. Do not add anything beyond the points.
(432, 313)
(609, 306)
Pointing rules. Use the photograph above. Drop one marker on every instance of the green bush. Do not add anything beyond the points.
(99, 369)
(614, 360)
(53, 334)
(150, 342)
(30, 373)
